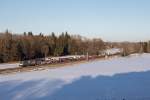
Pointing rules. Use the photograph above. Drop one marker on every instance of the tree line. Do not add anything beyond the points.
(132, 47)
(14, 47)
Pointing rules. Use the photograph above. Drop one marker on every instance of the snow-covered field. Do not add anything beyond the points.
(112, 79)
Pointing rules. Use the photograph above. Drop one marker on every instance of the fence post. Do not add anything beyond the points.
(87, 56)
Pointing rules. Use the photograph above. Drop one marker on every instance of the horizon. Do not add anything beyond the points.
(110, 20)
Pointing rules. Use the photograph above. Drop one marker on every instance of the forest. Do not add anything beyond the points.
(26, 46)
(16, 47)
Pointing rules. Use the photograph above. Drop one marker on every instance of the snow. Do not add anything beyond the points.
(111, 51)
(118, 78)
(9, 65)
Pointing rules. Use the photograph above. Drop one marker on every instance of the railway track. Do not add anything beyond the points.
(38, 67)
(46, 66)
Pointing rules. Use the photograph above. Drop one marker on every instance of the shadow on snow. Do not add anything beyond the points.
(129, 86)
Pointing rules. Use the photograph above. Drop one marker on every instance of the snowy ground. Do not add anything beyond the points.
(11, 65)
(113, 79)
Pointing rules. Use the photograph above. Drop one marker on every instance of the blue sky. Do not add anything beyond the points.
(113, 20)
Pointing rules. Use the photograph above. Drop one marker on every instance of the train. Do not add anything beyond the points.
(50, 60)
(62, 59)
